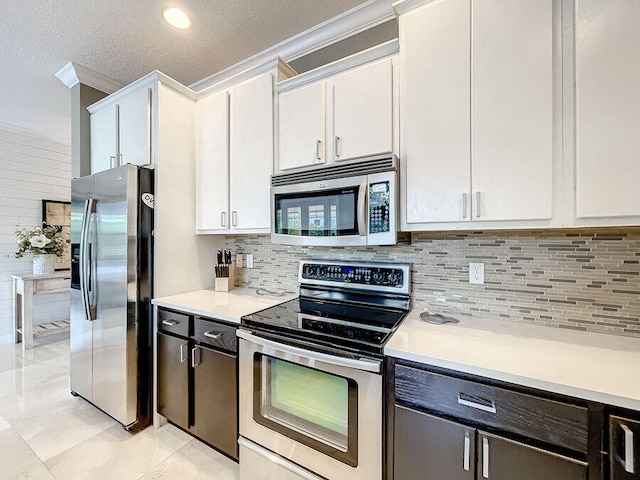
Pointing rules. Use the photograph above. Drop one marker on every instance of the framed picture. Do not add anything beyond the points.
(58, 214)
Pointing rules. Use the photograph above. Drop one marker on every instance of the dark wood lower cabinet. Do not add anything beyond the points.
(502, 459)
(173, 379)
(216, 399)
(431, 448)
(427, 447)
(624, 448)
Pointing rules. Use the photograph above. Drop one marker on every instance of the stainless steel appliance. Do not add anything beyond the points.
(311, 374)
(111, 334)
(347, 203)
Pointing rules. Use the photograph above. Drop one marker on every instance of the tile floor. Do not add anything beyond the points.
(47, 434)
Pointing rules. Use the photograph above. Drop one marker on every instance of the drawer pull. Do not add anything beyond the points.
(467, 451)
(628, 449)
(485, 457)
(474, 404)
(215, 336)
(169, 323)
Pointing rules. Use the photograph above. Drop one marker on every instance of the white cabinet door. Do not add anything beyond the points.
(212, 162)
(135, 127)
(607, 108)
(301, 126)
(435, 122)
(512, 109)
(103, 138)
(363, 111)
(251, 153)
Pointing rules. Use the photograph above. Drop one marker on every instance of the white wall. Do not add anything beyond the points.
(31, 169)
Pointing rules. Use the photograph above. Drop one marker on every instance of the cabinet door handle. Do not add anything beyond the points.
(467, 451)
(195, 351)
(112, 161)
(170, 323)
(223, 219)
(318, 145)
(464, 205)
(491, 408)
(234, 218)
(485, 457)
(628, 449)
(183, 355)
(336, 145)
(212, 335)
(477, 204)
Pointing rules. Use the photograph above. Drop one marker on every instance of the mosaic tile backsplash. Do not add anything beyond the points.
(575, 279)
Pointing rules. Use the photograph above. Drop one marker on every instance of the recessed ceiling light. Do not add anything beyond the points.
(176, 18)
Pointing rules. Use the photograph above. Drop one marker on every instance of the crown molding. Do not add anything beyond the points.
(72, 74)
(358, 19)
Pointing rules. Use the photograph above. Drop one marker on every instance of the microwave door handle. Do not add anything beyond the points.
(362, 209)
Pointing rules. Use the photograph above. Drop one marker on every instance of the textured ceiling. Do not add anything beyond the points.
(124, 40)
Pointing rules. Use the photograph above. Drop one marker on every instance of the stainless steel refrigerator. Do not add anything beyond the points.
(111, 280)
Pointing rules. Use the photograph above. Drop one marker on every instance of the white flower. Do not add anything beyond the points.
(39, 241)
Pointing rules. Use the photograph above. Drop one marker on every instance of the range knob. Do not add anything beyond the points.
(393, 277)
(321, 272)
(309, 271)
(378, 277)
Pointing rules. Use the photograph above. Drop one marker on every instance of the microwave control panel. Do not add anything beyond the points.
(379, 207)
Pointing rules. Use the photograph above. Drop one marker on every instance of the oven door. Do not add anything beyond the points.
(328, 212)
(319, 411)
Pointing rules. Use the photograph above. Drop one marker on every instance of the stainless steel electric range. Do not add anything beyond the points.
(311, 374)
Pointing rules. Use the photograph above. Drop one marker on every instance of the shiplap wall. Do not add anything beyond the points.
(31, 169)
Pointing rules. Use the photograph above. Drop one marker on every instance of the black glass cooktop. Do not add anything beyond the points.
(356, 327)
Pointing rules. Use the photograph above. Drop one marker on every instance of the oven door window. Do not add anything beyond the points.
(312, 407)
(327, 213)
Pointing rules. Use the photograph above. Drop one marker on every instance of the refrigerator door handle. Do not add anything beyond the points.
(85, 260)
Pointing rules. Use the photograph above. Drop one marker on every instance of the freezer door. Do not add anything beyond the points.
(81, 337)
(115, 368)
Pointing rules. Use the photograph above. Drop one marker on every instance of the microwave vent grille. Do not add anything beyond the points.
(351, 168)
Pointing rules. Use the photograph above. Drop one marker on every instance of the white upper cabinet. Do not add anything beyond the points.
(212, 162)
(512, 123)
(340, 111)
(251, 153)
(363, 111)
(121, 129)
(104, 138)
(607, 43)
(301, 126)
(135, 127)
(435, 104)
(477, 113)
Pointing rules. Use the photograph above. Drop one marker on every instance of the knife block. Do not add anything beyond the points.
(224, 284)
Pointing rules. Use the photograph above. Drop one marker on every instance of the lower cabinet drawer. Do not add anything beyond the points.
(173, 322)
(548, 421)
(216, 334)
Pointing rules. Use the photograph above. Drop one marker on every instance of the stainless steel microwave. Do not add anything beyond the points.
(346, 203)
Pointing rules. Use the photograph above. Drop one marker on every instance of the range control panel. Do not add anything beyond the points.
(372, 275)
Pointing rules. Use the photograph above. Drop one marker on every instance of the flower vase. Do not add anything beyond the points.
(44, 264)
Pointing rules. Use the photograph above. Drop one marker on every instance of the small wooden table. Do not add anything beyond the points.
(24, 288)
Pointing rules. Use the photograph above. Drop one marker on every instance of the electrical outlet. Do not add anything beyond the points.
(476, 273)
(238, 260)
(249, 257)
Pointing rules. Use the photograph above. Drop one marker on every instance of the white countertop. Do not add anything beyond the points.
(229, 306)
(593, 366)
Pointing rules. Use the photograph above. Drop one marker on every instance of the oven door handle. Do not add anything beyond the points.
(365, 364)
(273, 458)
